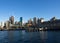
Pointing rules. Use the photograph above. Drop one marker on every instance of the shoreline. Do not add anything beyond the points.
(30, 30)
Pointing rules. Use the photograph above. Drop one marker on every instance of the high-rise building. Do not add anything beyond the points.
(21, 21)
(30, 21)
(1, 24)
(16, 23)
(34, 21)
(11, 19)
(38, 21)
(7, 24)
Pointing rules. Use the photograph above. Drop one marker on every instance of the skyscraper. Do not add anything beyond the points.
(11, 19)
(21, 21)
(34, 21)
(30, 21)
(38, 21)
(7, 24)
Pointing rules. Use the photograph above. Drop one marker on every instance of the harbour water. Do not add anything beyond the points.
(29, 37)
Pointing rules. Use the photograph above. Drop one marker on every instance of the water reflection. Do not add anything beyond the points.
(10, 36)
(43, 36)
(16, 36)
(29, 37)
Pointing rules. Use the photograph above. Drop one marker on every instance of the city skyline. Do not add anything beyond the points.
(11, 19)
(29, 9)
(29, 21)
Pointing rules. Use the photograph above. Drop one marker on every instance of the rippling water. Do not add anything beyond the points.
(29, 37)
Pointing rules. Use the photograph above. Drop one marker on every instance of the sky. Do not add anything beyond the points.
(29, 9)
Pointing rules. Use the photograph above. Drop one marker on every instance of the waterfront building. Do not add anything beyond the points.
(52, 24)
(7, 24)
(53, 19)
(41, 20)
(38, 22)
(21, 21)
(11, 19)
(30, 21)
(1, 25)
(34, 21)
(16, 23)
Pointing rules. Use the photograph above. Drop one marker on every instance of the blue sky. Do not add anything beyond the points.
(29, 9)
